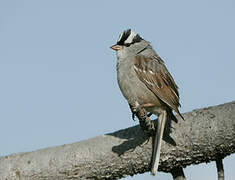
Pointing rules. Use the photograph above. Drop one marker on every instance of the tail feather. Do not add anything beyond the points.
(178, 112)
(157, 143)
(171, 116)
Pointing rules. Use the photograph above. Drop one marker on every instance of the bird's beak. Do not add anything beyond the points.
(116, 47)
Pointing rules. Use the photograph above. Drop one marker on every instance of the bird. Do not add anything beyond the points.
(146, 83)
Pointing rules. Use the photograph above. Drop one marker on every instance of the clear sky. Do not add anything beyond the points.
(58, 74)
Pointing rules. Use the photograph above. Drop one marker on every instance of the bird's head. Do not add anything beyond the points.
(126, 39)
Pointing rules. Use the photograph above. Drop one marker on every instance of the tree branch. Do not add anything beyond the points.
(220, 168)
(205, 135)
(178, 173)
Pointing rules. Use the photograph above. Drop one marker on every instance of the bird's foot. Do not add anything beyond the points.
(134, 111)
(137, 107)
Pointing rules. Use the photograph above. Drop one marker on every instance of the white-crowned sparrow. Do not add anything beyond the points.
(146, 83)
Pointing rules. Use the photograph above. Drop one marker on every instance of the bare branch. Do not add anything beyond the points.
(178, 173)
(204, 135)
(220, 168)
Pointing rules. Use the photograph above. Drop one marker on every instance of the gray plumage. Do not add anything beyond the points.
(146, 83)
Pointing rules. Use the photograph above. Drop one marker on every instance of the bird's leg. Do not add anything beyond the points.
(147, 105)
(157, 142)
(135, 108)
(145, 123)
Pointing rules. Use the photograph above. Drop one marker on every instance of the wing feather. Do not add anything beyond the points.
(153, 73)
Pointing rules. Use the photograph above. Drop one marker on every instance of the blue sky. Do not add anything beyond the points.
(58, 76)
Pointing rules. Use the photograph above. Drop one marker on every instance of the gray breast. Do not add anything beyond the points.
(131, 87)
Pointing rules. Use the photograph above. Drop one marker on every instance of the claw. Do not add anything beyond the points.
(133, 110)
(133, 116)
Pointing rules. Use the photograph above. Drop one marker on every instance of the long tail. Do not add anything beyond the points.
(158, 140)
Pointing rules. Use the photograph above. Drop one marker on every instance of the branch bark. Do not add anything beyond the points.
(205, 135)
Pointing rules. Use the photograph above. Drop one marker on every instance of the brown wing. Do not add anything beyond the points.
(153, 73)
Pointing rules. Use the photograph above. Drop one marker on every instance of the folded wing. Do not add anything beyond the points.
(153, 73)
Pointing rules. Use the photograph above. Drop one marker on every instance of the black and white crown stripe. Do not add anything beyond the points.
(128, 37)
